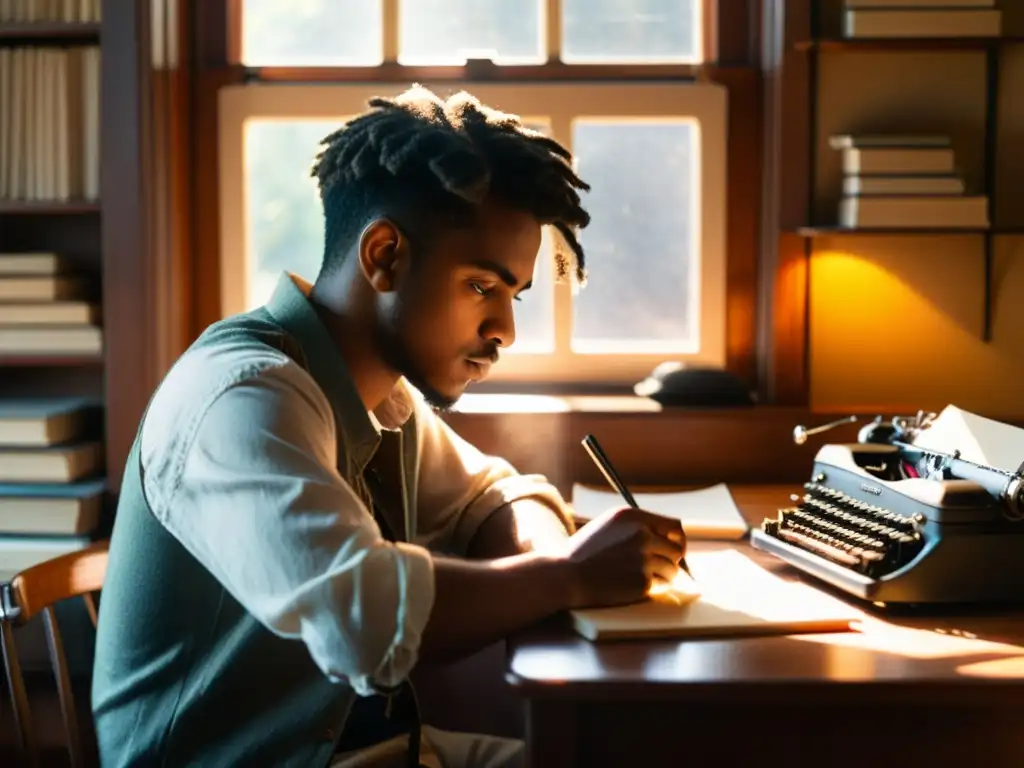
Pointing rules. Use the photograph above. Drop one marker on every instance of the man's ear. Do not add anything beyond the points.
(380, 246)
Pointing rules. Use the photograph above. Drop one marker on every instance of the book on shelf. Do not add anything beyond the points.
(52, 463)
(921, 22)
(902, 211)
(898, 181)
(51, 488)
(925, 184)
(54, 509)
(49, 123)
(899, 160)
(31, 288)
(30, 421)
(33, 263)
(67, 11)
(45, 307)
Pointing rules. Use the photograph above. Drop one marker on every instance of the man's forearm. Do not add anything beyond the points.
(480, 602)
(526, 525)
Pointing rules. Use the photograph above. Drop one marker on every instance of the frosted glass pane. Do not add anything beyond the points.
(312, 32)
(439, 32)
(630, 30)
(284, 217)
(643, 259)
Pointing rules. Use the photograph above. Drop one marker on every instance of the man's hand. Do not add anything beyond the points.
(616, 558)
(611, 561)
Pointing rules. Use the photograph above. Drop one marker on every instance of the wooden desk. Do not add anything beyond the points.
(910, 690)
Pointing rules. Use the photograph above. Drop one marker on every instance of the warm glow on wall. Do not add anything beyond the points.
(896, 324)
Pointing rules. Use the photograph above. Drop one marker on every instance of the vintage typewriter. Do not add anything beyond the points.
(894, 519)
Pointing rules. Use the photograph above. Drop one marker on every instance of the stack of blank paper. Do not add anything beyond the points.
(707, 513)
(732, 596)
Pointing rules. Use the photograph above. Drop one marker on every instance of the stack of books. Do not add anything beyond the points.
(905, 182)
(51, 484)
(921, 18)
(45, 309)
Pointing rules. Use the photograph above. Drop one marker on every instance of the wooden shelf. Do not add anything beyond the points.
(49, 361)
(48, 207)
(824, 231)
(908, 43)
(50, 31)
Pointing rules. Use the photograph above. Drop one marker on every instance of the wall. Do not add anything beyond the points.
(896, 321)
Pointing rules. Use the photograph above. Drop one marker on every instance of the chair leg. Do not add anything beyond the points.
(90, 606)
(19, 698)
(64, 690)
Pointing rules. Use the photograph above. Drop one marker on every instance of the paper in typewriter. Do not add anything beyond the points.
(732, 596)
(979, 440)
(706, 513)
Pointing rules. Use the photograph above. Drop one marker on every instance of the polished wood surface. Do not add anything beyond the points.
(911, 688)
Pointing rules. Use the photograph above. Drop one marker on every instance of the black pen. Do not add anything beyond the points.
(605, 465)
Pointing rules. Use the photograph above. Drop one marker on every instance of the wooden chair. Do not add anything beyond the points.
(33, 591)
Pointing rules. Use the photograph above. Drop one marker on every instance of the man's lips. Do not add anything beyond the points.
(481, 365)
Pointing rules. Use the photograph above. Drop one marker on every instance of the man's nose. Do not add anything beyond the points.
(500, 328)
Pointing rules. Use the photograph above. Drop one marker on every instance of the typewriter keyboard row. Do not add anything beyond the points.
(862, 536)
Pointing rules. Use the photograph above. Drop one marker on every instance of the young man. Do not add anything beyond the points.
(297, 527)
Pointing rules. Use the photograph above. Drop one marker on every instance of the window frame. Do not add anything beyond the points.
(551, 38)
(559, 104)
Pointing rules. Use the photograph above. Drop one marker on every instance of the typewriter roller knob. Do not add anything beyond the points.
(801, 433)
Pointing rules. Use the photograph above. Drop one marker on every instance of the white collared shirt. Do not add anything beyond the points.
(240, 458)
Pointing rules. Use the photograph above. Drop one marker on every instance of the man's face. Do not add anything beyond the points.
(451, 310)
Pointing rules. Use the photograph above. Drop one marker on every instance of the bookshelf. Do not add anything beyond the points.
(50, 203)
(823, 40)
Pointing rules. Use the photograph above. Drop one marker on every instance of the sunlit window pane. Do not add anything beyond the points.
(284, 219)
(636, 31)
(312, 32)
(439, 32)
(642, 243)
(535, 314)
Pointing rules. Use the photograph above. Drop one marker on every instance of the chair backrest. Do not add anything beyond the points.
(33, 591)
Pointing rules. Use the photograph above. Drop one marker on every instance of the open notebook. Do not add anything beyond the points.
(732, 595)
(706, 513)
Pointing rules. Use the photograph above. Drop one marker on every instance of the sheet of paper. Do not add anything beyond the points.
(732, 595)
(983, 441)
(706, 513)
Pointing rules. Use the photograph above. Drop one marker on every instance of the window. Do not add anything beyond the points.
(437, 32)
(654, 153)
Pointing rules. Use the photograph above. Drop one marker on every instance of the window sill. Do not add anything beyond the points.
(498, 403)
(506, 403)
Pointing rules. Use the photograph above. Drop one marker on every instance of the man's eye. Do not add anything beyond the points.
(480, 289)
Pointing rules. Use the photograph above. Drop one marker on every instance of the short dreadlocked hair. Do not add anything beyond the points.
(425, 162)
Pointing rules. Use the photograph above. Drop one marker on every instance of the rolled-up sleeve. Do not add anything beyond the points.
(460, 486)
(256, 497)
